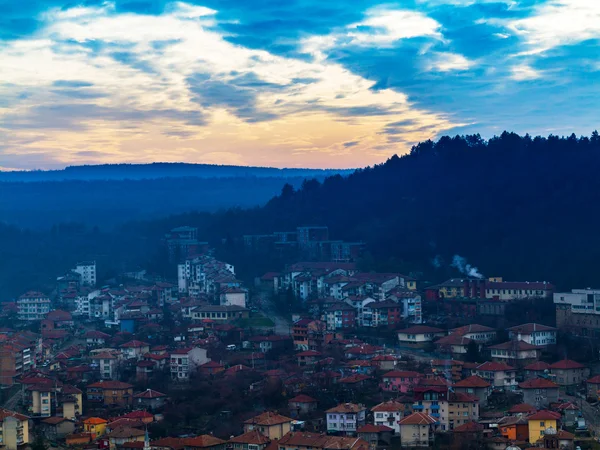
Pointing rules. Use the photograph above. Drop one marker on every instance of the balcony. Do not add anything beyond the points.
(435, 407)
(436, 415)
(418, 407)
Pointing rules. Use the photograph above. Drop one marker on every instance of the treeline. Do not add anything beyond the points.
(515, 206)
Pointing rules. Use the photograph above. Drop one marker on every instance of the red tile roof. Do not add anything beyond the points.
(472, 328)
(420, 329)
(522, 408)
(302, 399)
(308, 353)
(544, 415)
(594, 380)
(251, 437)
(567, 364)
(538, 383)
(346, 408)
(150, 393)
(389, 406)
(418, 419)
(494, 366)
(514, 345)
(469, 427)
(370, 428)
(473, 381)
(203, 441)
(4, 413)
(135, 344)
(528, 328)
(538, 366)
(268, 418)
(402, 374)
(108, 384)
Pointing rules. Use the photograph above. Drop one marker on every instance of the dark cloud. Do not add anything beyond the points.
(133, 60)
(351, 144)
(71, 84)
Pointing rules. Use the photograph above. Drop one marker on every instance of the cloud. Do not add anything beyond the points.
(524, 73)
(447, 62)
(169, 85)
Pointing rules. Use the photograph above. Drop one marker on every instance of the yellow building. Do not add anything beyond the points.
(270, 424)
(14, 429)
(411, 284)
(95, 425)
(539, 422)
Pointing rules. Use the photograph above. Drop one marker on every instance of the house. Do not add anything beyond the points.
(592, 387)
(462, 409)
(251, 440)
(476, 332)
(541, 421)
(211, 368)
(400, 380)
(570, 413)
(476, 386)
(389, 414)
(118, 437)
(110, 393)
(135, 349)
(450, 369)
(233, 296)
(569, 373)
(307, 358)
(539, 392)
(318, 441)
(149, 399)
(33, 306)
(536, 370)
(96, 426)
(78, 439)
(340, 316)
(56, 427)
(270, 424)
(534, 334)
(308, 334)
(302, 405)
(417, 430)
(220, 313)
(419, 335)
(14, 428)
(386, 313)
(364, 352)
(466, 434)
(500, 375)
(95, 338)
(522, 409)
(433, 401)
(185, 361)
(375, 435)
(517, 353)
(384, 362)
(204, 442)
(514, 428)
(346, 418)
(107, 364)
(455, 345)
(141, 415)
(271, 342)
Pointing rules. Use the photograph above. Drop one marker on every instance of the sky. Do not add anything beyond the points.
(286, 83)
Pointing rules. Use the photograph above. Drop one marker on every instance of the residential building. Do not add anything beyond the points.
(149, 399)
(87, 271)
(204, 442)
(419, 335)
(135, 349)
(270, 342)
(185, 361)
(375, 435)
(455, 345)
(205, 275)
(182, 242)
(409, 302)
(539, 392)
(389, 414)
(476, 332)
(492, 289)
(569, 373)
(318, 441)
(220, 313)
(475, 386)
(96, 338)
(110, 393)
(433, 401)
(499, 375)
(517, 353)
(234, 296)
(107, 365)
(578, 311)
(346, 418)
(14, 430)
(96, 426)
(533, 334)
(33, 306)
(308, 357)
(593, 387)
(56, 427)
(270, 424)
(400, 380)
(537, 369)
(119, 436)
(302, 405)
(540, 422)
(341, 316)
(308, 334)
(462, 409)
(251, 440)
(515, 427)
(417, 430)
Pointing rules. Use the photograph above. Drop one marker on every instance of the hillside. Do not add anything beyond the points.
(514, 206)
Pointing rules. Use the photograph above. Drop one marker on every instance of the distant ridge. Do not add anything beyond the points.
(163, 170)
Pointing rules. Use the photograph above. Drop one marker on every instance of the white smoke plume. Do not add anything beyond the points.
(460, 263)
(437, 261)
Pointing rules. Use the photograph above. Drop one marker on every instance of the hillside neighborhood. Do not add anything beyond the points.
(316, 355)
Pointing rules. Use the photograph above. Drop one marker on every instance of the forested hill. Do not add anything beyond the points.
(519, 207)
(161, 170)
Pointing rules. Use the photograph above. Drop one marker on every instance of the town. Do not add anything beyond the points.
(315, 355)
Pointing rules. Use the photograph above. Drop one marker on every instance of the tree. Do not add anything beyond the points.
(473, 354)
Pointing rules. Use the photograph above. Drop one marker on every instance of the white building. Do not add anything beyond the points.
(388, 414)
(234, 296)
(581, 301)
(205, 275)
(33, 306)
(346, 418)
(107, 365)
(476, 332)
(87, 270)
(185, 361)
(534, 334)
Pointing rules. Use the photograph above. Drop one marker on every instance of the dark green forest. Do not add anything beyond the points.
(515, 206)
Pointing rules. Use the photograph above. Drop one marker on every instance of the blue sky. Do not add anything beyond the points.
(286, 83)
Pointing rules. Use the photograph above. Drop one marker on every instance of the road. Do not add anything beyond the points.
(589, 412)
(12, 402)
(283, 325)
